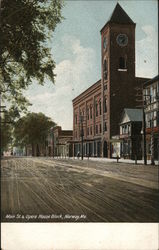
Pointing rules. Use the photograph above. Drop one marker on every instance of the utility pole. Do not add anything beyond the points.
(144, 136)
(152, 134)
(82, 135)
(52, 137)
(157, 98)
(142, 106)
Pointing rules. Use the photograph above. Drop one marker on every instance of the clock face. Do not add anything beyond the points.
(122, 39)
(104, 43)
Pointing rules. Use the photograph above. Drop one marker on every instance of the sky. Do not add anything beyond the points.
(76, 50)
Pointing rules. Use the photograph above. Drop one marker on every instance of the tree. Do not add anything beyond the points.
(6, 132)
(33, 130)
(25, 28)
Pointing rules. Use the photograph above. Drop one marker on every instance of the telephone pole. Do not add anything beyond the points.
(82, 135)
(144, 137)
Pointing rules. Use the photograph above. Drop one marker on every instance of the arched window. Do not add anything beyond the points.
(122, 63)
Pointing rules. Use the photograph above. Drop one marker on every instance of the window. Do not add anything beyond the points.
(129, 129)
(96, 129)
(87, 113)
(122, 63)
(155, 122)
(153, 92)
(105, 126)
(75, 118)
(105, 105)
(124, 129)
(121, 130)
(91, 130)
(152, 119)
(91, 112)
(100, 107)
(100, 128)
(87, 131)
(105, 70)
(105, 86)
(158, 118)
(96, 109)
(147, 96)
(148, 120)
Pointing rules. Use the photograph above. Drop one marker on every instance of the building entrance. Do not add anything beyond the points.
(105, 149)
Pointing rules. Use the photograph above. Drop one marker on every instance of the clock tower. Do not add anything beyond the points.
(118, 73)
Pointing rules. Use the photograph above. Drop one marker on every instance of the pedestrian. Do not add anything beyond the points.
(78, 154)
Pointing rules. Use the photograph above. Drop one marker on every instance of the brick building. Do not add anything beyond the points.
(151, 108)
(60, 142)
(87, 113)
(97, 111)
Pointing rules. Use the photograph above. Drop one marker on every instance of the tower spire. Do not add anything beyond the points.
(120, 16)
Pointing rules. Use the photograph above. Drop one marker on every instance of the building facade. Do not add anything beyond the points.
(151, 109)
(87, 112)
(131, 134)
(116, 90)
(60, 142)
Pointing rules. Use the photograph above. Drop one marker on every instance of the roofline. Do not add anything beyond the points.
(152, 80)
(109, 22)
(124, 111)
(96, 83)
(132, 108)
(144, 78)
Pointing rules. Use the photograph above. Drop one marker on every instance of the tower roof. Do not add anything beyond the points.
(119, 16)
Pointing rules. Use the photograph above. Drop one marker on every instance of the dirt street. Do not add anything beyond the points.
(67, 190)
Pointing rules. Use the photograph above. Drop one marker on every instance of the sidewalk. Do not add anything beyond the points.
(121, 160)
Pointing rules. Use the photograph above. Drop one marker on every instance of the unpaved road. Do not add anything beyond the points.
(58, 190)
